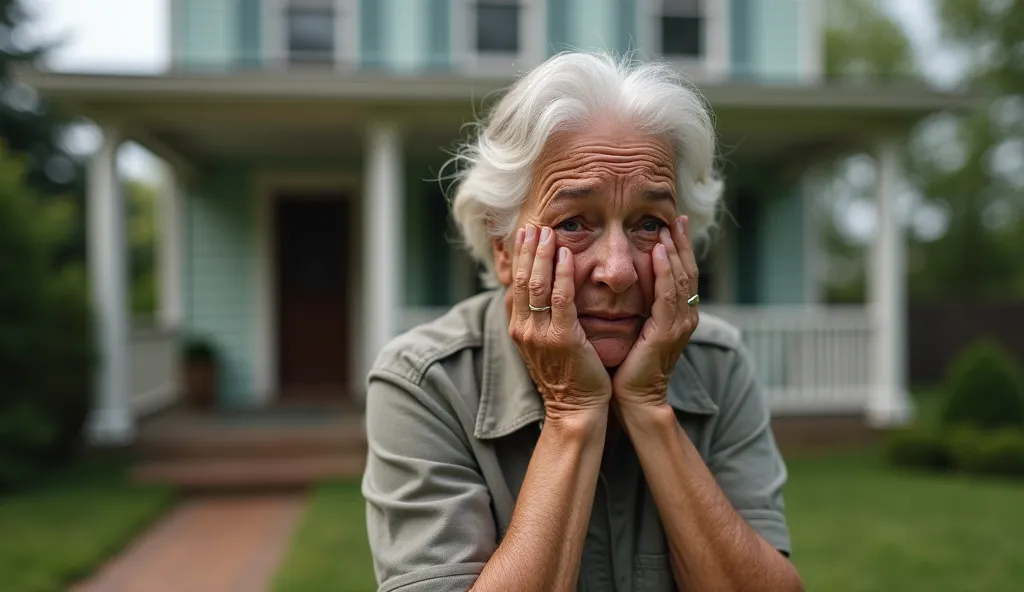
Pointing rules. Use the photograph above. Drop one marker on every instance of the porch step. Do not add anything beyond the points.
(250, 443)
(816, 434)
(248, 473)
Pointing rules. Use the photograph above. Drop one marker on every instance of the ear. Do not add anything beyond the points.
(502, 260)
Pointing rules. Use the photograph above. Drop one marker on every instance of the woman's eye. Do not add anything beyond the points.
(651, 225)
(570, 226)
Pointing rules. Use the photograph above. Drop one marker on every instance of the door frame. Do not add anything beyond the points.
(268, 189)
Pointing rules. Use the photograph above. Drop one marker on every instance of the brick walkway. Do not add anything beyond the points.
(207, 544)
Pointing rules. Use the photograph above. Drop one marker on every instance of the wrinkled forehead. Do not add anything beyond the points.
(603, 159)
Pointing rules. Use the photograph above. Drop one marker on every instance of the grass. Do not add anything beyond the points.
(65, 527)
(857, 526)
(329, 550)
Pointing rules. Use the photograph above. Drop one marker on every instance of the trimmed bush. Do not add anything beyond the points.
(995, 453)
(46, 348)
(984, 389)
(919, 449)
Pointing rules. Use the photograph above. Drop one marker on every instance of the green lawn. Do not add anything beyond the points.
(857, 526)
(59, 531)
(329, 550)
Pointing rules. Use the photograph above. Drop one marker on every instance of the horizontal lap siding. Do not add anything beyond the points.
(220, 261)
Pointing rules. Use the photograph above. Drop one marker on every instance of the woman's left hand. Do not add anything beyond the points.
(642, 378)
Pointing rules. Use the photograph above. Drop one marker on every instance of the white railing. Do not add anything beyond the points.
(810, 359)
(154, 362)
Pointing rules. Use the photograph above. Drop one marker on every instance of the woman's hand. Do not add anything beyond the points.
(642, 378)
(563, 364)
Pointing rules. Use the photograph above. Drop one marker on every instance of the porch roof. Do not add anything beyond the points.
(300, 113)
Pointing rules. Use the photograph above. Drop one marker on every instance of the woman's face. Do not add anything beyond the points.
(606, 192)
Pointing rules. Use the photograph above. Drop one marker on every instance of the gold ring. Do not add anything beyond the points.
(539, 308)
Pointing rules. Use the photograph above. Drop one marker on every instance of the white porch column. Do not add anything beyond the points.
(111, 420)
(382, 237)
(169, 250)
(889, 402)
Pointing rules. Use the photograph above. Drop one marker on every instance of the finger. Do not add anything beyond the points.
(521, 274)
(541, 274)
(685, 247)
(673, 245)
(563, 292)
(665, 288)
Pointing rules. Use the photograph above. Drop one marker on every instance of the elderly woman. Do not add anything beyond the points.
(575, 428)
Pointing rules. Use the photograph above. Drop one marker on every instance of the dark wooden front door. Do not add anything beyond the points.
(312, 296)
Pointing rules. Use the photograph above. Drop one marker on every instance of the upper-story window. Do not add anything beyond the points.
(682, 28)
(310, 33)
(310, 28)
(498, 37)
(693, 35)
(497, 27)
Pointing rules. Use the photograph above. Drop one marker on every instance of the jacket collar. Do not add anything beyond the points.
(509, 399)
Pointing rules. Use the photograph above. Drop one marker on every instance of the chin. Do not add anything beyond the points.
(612, 351)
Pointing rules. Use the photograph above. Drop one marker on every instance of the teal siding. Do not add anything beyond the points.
(371, 33)
(440, 34)
(626, 27)
(593, 25)
(219, 267)
(407, 39)
(780, 273)
(741, 37)
(206, 36)
(558, 26)
(776, 49)
(250, 24)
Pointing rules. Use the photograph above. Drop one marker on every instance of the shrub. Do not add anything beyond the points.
(200, 350)
(984, 389)
(46, 349)
(918, 448)
(996, 453)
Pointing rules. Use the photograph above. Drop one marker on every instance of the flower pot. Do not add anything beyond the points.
(200, 383)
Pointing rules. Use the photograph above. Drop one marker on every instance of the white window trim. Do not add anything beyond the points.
(532, 40)
(812, 15)
(346, 33)
(714, 64)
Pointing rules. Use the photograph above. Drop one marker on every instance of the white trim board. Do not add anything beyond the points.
(267, 188)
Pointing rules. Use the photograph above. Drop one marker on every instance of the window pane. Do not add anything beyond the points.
(681, 7)
(681, 36)
(497, 28)
(311, 35)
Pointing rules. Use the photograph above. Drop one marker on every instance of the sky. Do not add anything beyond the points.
(137, 41)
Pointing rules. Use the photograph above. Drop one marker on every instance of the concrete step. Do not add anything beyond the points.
(248, 473)
(250, 443)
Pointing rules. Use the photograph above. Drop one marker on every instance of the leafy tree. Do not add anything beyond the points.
(33, 129)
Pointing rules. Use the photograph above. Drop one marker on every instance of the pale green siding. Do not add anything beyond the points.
(250, 32)
(206, 35)
(593, 24)
(773, 42)
(558, 26)
(371, 33)
(626, 19)
(780, 273)
(440, 34)
(408, 25)
(741, 31)
(219, 274)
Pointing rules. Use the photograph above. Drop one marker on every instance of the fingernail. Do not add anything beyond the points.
(679, 225)
(563, 254)
(545, 234)
(659, 251)
(530, 232)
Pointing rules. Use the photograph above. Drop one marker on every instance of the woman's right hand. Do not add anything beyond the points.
(562, 362)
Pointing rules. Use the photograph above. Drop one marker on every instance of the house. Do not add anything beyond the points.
(304, 225)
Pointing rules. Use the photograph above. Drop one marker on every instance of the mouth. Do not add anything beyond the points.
(613, 322)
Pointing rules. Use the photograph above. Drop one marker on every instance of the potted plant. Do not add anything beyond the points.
(201, 373)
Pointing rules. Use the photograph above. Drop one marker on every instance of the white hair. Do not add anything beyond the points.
(563, 94)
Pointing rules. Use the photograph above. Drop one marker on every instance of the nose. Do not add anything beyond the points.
(615, 267)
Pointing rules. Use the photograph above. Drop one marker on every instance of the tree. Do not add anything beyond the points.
(862, 41)
(32, 129)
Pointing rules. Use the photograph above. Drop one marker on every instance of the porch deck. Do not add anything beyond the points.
(280, 447)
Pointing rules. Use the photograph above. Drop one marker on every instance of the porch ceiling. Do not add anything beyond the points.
(301, 114)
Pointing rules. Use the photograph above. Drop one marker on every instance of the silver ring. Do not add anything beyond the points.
(539, 308)
(693, 300)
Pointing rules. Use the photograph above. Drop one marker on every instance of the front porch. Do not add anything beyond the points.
(235, 144)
